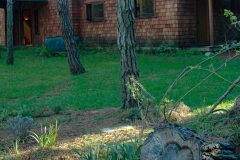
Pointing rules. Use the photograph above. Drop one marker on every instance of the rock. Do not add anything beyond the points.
(56, 44)
(208, 54)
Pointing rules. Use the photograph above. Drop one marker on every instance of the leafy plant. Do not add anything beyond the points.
(26, 110)
(232, 17)
(89, 156)
(47, 138)
(117, 151)
(59, 54)
(19, 125)
(4, 113)
(124, 151)
(16, 145)
(57, 109)
(45, 52)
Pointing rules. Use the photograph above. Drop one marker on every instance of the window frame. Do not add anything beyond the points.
(90, 12)
(140, 10)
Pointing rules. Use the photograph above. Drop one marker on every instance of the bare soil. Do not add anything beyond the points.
(77, 130)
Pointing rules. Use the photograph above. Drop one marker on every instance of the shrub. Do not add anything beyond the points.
(19, 126)
(45, 52)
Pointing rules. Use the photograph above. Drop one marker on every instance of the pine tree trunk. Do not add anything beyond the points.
(75, 65)
(127, 46)
(10, 57)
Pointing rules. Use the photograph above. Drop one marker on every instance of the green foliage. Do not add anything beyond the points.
(2, 49)
(6, 112)
(16, 146)
(234, 20)
(166, 48)
(19, 125)
(44, 52)
(83, 50)
(122, 151)
(26, 110)
(47, 138)
(117, 151)
(57, 109)
(90, 155)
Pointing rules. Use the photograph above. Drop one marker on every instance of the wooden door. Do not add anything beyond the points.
(202, 21)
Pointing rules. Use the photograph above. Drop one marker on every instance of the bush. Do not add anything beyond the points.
(19, 126)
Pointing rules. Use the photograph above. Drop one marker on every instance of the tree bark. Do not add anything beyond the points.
(127, 45)
(10, 57)
(174, 142)
(74, 62)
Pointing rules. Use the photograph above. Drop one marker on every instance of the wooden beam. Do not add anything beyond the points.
(211, 29)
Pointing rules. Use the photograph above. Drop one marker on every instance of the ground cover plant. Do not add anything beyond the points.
(42, 88)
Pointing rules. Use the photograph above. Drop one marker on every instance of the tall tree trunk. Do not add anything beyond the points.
(10, 57)
(127, 45)
(74, 62)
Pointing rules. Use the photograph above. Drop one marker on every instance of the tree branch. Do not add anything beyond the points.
(224, 95)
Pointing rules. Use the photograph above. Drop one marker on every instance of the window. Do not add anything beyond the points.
(144, 8)
(95, 11)
(36, 22)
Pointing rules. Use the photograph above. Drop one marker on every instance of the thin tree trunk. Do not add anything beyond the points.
(127, 46)
(10, 57)
(74, 62)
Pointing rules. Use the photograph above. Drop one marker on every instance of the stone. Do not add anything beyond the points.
(208, 54)
(56, 44)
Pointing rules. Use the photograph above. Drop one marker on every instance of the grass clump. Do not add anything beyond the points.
(47, 138)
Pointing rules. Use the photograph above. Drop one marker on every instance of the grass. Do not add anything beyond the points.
(37, 82)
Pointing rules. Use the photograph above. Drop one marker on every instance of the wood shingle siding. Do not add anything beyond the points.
(2, 27)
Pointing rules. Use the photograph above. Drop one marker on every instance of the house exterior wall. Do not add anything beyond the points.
(102, 32)
(48, 19)
(173, 20)
(49, 22)
(186, 22)
(2, 27)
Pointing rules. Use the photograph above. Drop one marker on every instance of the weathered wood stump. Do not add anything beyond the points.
(173, 142)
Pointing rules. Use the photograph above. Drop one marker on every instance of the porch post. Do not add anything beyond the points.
(19, 24)
(211, 29)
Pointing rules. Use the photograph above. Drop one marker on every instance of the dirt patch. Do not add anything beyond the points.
(77, 129)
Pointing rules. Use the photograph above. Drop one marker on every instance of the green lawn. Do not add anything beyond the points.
(37, 82)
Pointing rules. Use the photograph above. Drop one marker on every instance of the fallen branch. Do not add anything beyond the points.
(224, 95)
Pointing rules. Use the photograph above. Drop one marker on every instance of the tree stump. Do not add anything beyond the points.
(173, 142)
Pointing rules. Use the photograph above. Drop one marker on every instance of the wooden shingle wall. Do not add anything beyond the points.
(2, 27)
(173, 20)
(103, 32)
(49, 22)
(187, 24)
(163, 26)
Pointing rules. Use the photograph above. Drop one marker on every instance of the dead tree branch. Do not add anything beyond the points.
(224, 95)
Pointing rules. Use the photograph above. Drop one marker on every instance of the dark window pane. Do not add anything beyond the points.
(147, 6)
(89, 12)
(137, 7)
(36, 22)
(98, 11)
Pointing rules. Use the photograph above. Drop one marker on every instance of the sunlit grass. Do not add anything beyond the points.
(218, 124)
(41, 82)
